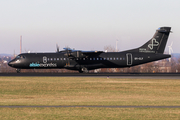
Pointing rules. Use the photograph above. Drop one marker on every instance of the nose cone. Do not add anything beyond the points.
(10, 64)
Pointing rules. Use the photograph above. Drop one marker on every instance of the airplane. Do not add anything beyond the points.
(83, 61)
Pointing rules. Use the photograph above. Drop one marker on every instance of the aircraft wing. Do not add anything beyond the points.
(91, 52)
(79, 53)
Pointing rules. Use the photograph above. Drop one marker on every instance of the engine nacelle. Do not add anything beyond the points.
(76, 54)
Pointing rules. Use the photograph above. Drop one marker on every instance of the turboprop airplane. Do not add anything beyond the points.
(83, 61)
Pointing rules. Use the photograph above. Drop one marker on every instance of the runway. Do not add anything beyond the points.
(87, 106)
(90, 74)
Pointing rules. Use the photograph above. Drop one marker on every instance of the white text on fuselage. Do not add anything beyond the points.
(43, 65)
(138, 58)
(144, 50)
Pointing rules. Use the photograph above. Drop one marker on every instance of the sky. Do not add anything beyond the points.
(85, 24)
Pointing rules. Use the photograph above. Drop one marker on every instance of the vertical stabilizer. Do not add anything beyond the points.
(158, 43)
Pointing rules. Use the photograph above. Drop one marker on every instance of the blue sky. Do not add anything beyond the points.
(85, 24)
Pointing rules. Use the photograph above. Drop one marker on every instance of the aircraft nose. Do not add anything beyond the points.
(10, 63)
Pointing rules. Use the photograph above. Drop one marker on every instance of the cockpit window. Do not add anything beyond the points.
(20, 56)
(17, 57)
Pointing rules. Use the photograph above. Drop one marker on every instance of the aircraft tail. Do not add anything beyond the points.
(158, 42)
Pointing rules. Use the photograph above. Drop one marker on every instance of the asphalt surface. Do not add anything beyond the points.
(88, 106)
(91, 74)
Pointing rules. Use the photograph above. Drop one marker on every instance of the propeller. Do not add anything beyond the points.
(57, 47)
(170, 50)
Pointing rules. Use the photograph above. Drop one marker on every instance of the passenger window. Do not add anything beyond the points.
(94, 58)
(104, 58)
(117, 58)
(64, 58)
(90, 58)
(97, 58)
(107, 58)
(110, 58)
(51, 59)
(57, 58)
(54, 58)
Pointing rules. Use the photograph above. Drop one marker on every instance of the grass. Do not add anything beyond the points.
(88, 91)
(89, 113)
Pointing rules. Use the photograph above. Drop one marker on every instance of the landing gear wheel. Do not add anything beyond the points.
(83, 70)
(18, 70)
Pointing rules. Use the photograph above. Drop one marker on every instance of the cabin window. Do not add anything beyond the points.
(123, 58)
(48, 59)
(90, 58)
(51, 59)
(120, 58)
(117, 58)
(83, 58)
(94, 58)
(107, 58)
(110, 58)
(57, 58)
(104, 58)
(54, 58)
(97, 58)
(100, 58)
(64, 58)
(114, 58)
(60, 58)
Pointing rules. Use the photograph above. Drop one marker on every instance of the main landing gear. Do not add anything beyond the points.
(83, 70)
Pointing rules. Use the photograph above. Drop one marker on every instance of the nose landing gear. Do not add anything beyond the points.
(18, 70)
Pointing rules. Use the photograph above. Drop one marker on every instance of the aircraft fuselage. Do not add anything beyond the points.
(103, 60)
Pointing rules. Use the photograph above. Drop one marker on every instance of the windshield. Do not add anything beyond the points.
(20, 56)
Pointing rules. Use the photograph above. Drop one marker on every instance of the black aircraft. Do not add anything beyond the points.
(83, 61)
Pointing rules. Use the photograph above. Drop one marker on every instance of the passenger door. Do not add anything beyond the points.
(129, 59)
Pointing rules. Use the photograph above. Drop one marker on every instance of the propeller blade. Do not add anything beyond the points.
(57, 47)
